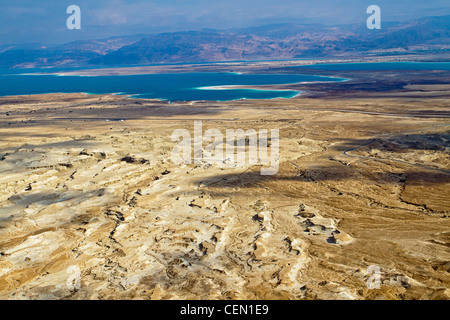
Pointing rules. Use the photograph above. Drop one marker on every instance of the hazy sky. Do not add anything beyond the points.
(45, 20)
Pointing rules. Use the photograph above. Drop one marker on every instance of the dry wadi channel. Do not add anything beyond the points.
(87, 184)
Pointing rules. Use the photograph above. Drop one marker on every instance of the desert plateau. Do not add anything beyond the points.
(87, 187)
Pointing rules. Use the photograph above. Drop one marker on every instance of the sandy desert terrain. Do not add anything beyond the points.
(87, 186)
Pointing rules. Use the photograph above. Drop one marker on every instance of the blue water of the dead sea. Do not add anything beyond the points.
(171, 87)
(186, 86)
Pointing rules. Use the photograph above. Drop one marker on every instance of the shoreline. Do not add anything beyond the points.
(353, 82)
(136, 69)
(264, 88)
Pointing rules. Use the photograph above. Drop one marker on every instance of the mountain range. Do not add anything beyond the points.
(276, 41)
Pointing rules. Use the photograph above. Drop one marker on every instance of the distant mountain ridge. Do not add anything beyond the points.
(276, 41)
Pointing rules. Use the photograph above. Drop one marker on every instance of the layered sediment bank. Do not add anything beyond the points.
(92, 207)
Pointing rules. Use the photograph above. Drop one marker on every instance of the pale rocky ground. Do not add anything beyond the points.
(103, 197)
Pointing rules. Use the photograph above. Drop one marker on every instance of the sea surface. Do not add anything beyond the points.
(171, 86)
(186, 86)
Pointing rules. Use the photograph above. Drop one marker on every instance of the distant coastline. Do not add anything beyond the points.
(214, 86)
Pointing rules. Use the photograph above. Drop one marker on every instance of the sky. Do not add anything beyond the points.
(44, 21)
